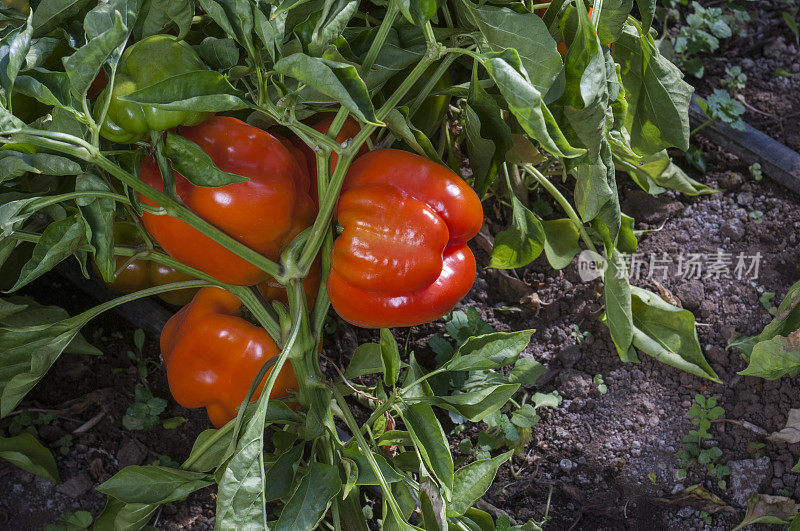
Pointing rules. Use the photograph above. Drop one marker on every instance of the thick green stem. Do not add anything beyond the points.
(444, 64)
(377, 44)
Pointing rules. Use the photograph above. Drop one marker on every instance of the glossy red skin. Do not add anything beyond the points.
(402, 258)
(349, 129)
(212, 356)
(264, 213)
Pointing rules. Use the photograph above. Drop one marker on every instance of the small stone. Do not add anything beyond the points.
(747, 476)
(131, 452)
(569, 355)
(574, 384)
(691, 294)
(76, 486)
(745, 198)
(747, 63)
(733, 229)
(777, 469)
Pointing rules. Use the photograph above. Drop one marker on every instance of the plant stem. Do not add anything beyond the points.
(178, 211)
(444, 64)
(553, 191)
(172, 207)
(51, 200)
(701, 126)
(380, 38)
(352, 425)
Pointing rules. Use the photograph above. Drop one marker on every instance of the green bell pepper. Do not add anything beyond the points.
(146, 63)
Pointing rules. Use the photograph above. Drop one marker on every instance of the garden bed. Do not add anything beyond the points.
(608, 458)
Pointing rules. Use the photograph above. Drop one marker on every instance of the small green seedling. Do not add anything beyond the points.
(697, 448)
(755, 171)
(601, 385)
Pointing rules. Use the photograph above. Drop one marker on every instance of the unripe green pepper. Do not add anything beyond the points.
(146, 63)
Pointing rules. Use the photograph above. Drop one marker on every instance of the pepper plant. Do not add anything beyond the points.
(327, 113)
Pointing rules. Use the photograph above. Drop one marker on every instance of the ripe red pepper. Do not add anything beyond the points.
(264, 213)
(212, 356)
(402, 259)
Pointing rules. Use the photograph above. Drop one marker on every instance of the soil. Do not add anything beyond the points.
(604, 461)
(760, 47)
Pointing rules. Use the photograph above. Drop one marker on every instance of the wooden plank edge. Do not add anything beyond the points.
(778, 162)
(145, 313)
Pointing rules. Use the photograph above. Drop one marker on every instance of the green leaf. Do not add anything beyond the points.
(657, 173)
(647, 10)
(619, 315)
(200, 91)
(189, 160)
(526, 371)
(658, 98)
(50, 88)
(525, 102)
(586, 93)
(235, 17)
(83, 65)
(560, 242)
(50, 14)
(390, 357)
(153, 484)
(477, 405)
(99, 215)
(524, 32)
(488, 135)
(431, 442)
(280, 475)
(766, 509)
(219, 53)
(240, 496)
(612, 20)
(27, 453)
(773, 358)
(472, 481)
(59, 240)
(366, 475)
(367, 359)
(525, 417)
(332, 21)
(102, 17)
(786, 321)
(13, 49)
(158, 14)
(207, 458)
(490, 351)
(120, 516)
(418, 12)
(667, 333)
(336, 80)
(309, 503)
(14, 164)
(521, 243)
(398, 123)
